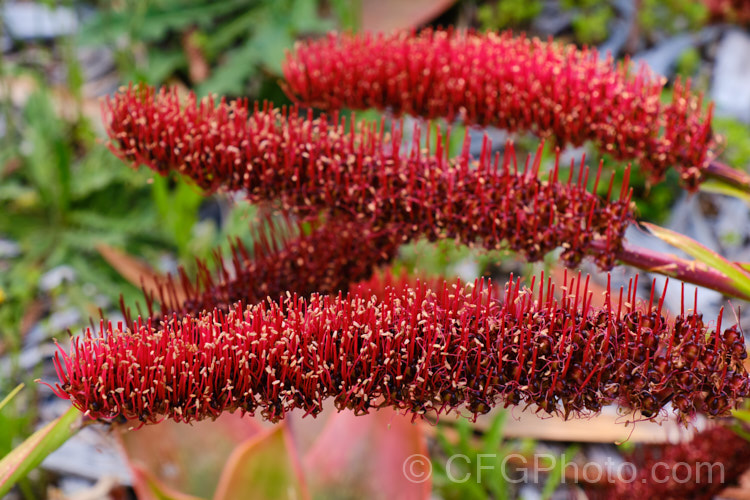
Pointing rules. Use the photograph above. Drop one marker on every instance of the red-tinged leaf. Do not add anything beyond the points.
(712, 186)
(388, 15)
(382, 455)
(147, 487)
(305, 430)
(187, 458)
(136, 271)
(265, 468)
(737, 276)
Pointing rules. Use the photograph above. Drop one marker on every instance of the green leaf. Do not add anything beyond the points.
(556, 474)
(178, 209)
(714, 186)
(492, 445)
(10, 396)
(19, 462)
(735, 273)
(743, 415)
(155, 21)
(228, 32)
(264, 466)
(161, 64)
(229, 78)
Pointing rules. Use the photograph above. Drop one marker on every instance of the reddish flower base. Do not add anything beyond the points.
(415, 350)
(515, 83)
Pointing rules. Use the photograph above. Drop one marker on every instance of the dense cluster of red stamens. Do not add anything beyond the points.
(284, 257)
(729, 10)
(698, 469)
(416, 350)
(313, 166)
(515, 83)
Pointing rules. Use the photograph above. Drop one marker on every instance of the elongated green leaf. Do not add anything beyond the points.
(736, 274)
(492, 445)
(713, 186)
(19, 462)
(10, 396)
(743, 415)
(556, 474)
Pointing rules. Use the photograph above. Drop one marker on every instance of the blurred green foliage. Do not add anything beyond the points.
(459, 460)
(16, 422)
(242, 41)
(736, 141)
(500, 14)
(671, 15)
(688, 63)
(590, 19)
(480, 465)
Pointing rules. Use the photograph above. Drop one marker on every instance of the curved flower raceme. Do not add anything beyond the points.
(698, 469)
(310, 166)
(416, 350)
(515, 83)
(729, 10)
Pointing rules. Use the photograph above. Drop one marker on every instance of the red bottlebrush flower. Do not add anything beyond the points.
(698, 469)
(515, 83)
(284, 259)
(311, 166)
(416, 350)
(729, 10)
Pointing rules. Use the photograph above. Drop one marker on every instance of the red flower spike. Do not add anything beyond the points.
(415, 350)
(514, 83)
(698, 469)
(311, 166)
(737, 11)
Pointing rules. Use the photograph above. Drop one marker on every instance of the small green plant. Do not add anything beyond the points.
(590, 19)
(508, 13)
(671, 15)
(238, 42)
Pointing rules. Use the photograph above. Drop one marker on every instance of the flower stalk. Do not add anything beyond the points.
(689, 271)
(728, 175)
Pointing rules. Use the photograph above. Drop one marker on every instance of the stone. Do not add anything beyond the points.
(730, 90)
(56, 277)
(663, 57)
(31, 21)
